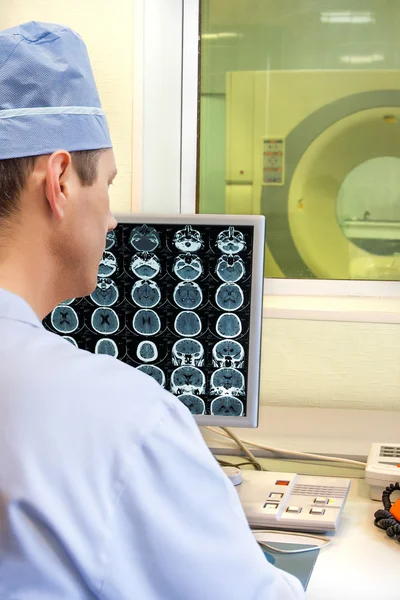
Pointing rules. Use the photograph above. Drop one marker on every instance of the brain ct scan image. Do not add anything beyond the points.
(188, 380)
(147, 352)
(188, 239)
(67, 302)
(195, 404)
(188, 352)
(144, 238)
(106, 293)
(188, 267)
(229, 296)
(111, 240)
(145, 265)
(106, 346)
(64, 319)
(228, 353)
(230, 268)
(146, 322)
(146, 293)
(108, 265)
(105, 321)
(229, 326)
(173, 300)
(231, 241)
(188, 295)
(154, 372)
(188, 323)
(227, 406)
(227, 381)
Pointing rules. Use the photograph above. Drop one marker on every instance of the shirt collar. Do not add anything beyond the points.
(15, 308)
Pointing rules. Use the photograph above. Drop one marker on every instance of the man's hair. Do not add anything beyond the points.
(14, 173)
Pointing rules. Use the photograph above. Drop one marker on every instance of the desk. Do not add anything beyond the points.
(362, 563)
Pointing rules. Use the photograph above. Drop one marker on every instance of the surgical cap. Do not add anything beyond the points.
(48, 95)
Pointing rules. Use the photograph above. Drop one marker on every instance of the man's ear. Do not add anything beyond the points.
(57, 182)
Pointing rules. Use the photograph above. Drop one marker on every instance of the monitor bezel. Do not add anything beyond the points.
(256, 305)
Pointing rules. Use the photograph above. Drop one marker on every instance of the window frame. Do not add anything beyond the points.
(158, 93)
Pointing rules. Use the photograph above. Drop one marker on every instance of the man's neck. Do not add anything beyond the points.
(23, 274)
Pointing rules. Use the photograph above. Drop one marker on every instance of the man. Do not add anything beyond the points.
(107, 489)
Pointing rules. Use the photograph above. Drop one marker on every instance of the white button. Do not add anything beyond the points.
(270, 506)
(317, 511)
(320, 500)
(274, 496)
(293, 509)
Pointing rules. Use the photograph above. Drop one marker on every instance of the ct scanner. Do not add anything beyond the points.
(293, 137)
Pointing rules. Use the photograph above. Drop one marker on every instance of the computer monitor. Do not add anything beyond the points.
(180, 298)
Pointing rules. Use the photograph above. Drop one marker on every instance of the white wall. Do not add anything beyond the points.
(107, 28)
(331, 364)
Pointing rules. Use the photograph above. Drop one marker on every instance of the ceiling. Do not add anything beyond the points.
(222, 14)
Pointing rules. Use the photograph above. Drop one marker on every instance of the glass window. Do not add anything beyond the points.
(300, 121)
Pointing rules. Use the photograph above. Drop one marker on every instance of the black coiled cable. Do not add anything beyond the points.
(384, 518)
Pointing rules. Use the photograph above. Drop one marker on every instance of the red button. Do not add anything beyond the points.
(281, 482)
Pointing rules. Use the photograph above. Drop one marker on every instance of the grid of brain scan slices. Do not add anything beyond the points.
(172, 300)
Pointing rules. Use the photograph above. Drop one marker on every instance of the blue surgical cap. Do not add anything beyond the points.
(48, 95)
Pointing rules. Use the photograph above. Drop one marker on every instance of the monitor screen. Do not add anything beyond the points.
(180, 298)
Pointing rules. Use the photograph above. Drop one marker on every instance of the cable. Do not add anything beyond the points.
(287, 452)
(388, 519)
(247, 452)
(326, 541)
(225, 463)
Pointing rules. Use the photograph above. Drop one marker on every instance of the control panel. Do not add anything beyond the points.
(290, 501)
(274, 161)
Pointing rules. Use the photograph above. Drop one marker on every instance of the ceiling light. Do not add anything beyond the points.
(221, 36)
(360, 18)
(362, 59)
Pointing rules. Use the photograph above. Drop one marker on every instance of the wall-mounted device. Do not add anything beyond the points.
(383, 468)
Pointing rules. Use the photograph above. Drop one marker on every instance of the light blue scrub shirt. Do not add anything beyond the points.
(107, 489)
